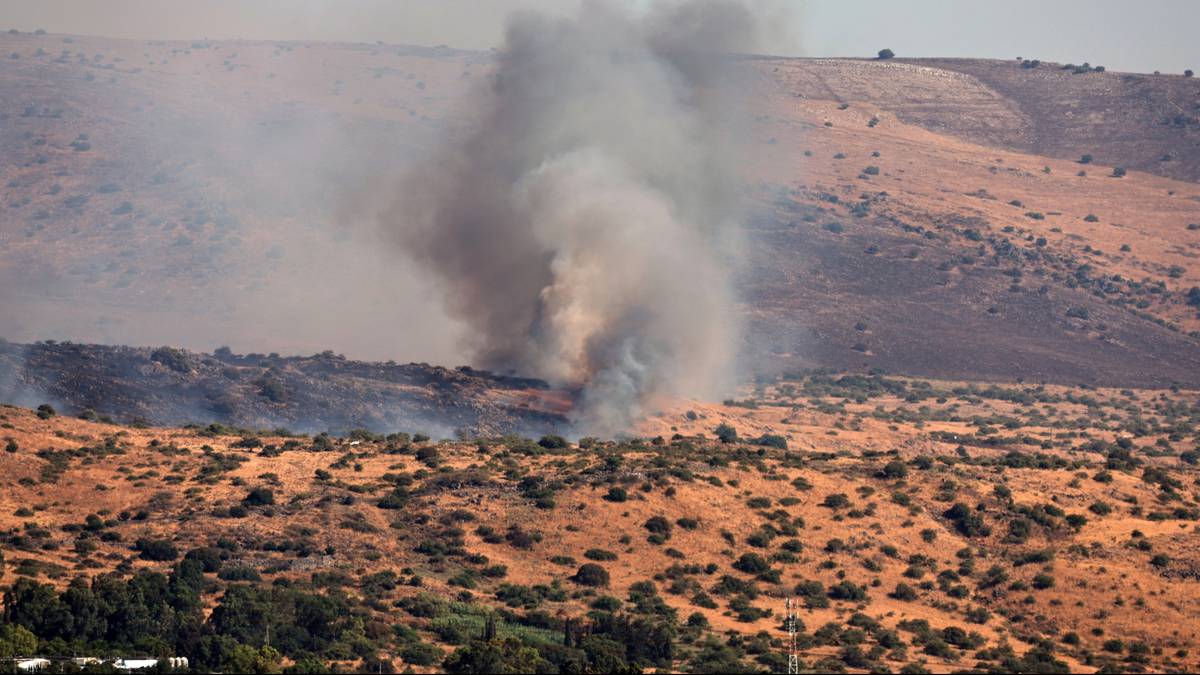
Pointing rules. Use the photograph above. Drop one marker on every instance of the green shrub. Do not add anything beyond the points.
(157, 550)
(599, 554)
(591, 574)
(751, 563)
(836, 501)
(553, 442)
(658, 525)
(726, 433)
(616, 494)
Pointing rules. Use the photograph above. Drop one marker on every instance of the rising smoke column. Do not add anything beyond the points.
(576, 227)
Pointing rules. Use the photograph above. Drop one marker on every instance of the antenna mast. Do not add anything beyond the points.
(789, 622)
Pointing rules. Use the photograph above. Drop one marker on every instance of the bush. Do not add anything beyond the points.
(751, 563)
(885, 54)
(553, 442)
(726, 433)
(259, 496)
(599, 554)
(903, 592)
(420, 653)
(177, 360)
(1193, 296)
(157, 550)
(846, 590)
(396, 499)
(1118, 172)
(894, 470)
(591, 574)
(616, 494)
(966, 521)
(772, 441)
(272, 390)
(836, 501)
(659, 525)
(239, 573)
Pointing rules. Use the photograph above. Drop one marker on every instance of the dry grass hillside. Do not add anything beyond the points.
(931, 523)
(181, 193)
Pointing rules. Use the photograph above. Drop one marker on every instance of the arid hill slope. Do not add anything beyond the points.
(924, 217)
(934, 523)
(1148, 123)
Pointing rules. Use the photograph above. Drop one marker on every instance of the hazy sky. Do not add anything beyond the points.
(1121, 34)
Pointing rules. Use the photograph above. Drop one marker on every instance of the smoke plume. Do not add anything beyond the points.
(578, 227)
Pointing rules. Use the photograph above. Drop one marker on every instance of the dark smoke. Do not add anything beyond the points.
(579, 227)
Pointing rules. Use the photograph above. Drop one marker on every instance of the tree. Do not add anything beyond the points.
(726, 433)
(836, 501)
(616, 494)
(259, 496)
(659, 525)
(497, 656)
(247, 659)
(904, 592)
(16, 641)
(591, 574)
(553, 442)
(886, 54)
(751, 563)
(894, 469)
(966, 521)
(158, 550)
(772, 441)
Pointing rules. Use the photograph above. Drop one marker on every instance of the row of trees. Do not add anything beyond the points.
(161, 615)
(252, 627)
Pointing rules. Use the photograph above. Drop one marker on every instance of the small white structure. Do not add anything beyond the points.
(37, 664)
(134, 664)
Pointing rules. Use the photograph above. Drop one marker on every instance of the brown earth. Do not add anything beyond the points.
(1000, 449)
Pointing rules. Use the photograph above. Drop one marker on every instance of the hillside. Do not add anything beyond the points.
(222, 192)
(324, 392)
(921, 523)
(966, 433)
